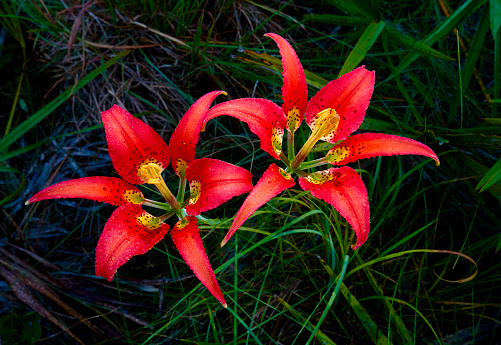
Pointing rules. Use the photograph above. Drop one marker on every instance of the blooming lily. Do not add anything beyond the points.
(140, 155)
(335, 112)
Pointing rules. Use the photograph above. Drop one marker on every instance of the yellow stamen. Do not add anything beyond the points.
(151, 173)
(324, 125)
(329, 116)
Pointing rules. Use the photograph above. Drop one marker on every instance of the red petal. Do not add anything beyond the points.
(265, 119)
(112, 190)
(349, 96)
(186, 237)
(273, 182)
(294, 90)
(213, 182)
(185, 137)
(132, 143)
(129, 231)
(345, 191)
(368, 145)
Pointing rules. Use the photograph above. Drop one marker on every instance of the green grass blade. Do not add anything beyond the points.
(401, 329)
(495, 16)
(491, 177)
(332, 298)
(413, 44)
(440, 31)
(33, 120)
(469, 66)
(363, 45)
(321, 336)
(372, 328)
(497, 71)
(334, 19)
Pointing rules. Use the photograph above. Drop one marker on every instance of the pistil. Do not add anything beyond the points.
(326, 122)
(151, 174)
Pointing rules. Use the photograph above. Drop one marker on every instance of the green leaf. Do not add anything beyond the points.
(440, 31)
(333, 19)
(495, 16)
(491, 177)
(363, 45)
(321, 336)
(413, 44)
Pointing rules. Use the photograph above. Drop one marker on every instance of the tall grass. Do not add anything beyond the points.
(429, 272)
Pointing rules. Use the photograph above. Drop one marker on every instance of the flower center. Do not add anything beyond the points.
(327, 118)
(150, 173)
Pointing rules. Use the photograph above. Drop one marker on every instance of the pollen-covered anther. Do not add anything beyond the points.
(195, 188)
(330, 118)
(337, 155)
(150, 173)
(320, 177)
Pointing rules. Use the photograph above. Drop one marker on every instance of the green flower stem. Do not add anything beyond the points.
(181, 190)
(308, 145)
(157, 204)
(290, 145)
(313, 163)
(284, 158)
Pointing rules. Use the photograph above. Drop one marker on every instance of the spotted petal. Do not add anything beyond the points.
(129, 231)
(132, 143)
(213, 182)
(349, 96)
(273, 182)
(294, 90)
(186, 237)
(265, 119)
(185, 137)
(112, 190)
(345, 191)
(368, 145)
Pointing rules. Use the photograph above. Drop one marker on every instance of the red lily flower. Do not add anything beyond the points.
(139, 155)
(336, 111)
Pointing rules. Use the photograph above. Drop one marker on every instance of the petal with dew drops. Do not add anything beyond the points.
(129, 231)
(265, 119)
(111, 190)
(349, 96)
(186, 237)
(213, 182)
(345, 191)
(368, 145)
(132, 143)
(274, 181)
(185, 137)
(294, 90)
